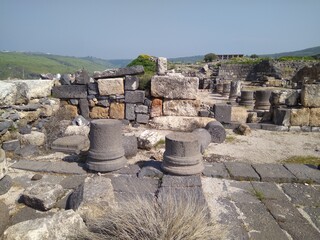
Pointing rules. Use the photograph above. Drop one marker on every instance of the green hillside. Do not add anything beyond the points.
(308, 52)
(30, 65)
(191, 59)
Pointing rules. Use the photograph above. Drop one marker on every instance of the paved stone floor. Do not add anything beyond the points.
(260, 201)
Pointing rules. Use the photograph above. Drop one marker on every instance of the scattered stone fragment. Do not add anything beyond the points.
(130, 145)
(5, 184)
(27, 151)
(71, 144)
(243, 129)
(36, 177)
(148, 139)
(120, 72)
(217, 131)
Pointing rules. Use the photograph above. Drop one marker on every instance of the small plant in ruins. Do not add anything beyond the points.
(210, 57)
(143, 218)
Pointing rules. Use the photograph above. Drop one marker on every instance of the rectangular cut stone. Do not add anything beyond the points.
(281, 116)
(131, 83)
(117, 110)
(156, 108)
(162, 65)
(93, 89)
(70, 91)
(304, 173)
(181, 107)
(134, 96)
(222, 112)
(314, 119)
(181, 181)
(71, 144)
(120, 72)
(84, 108)
(99, 112)
(216, 170)
(174, 87)
(242, 171)
(141, 109)
(273, 127)
(310, 95)
(110, 86)
(274, 173)
(143, 118)
(130, 114)
(300, 117)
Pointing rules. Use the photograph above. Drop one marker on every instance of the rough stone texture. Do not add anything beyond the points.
(142, 118)
(273, 127)
(80, 121)
(3, 164)
(242, 172)
(141, 109)
(148, 139)
(314, 214)
(61, 225)
(77, 130)
(304, 173)
(222, 112)
(287, 97)
(204, 138)
(71, 110)
(82, 77)
(137, 96)
(300, 117)
(30, 116)
(84, 108)
(99, 112)
(110, 86)
(217, 131)
(27, 151)
(93, 89)
(131, 83)
(314, 117)
(71, 144)
(42, 196)
(274, 173)
(120, 72)
(8, 92)
(180, 122)
(162, 65)
(181, 107)
(129, 112)
(303, 195)
(117, 110)
(88, 198)
(243, 129)
(156, 107)
(238, 114)
(70, 91)
(4, 217)
(216, 170)
(174, 87)
(130, 145)
(5, 184)
(310, 95)
(281, 116)
(182, 154)
(10, 145)
(34, 138)
(151, 169)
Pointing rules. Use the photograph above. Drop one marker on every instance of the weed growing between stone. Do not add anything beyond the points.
(143, 218)
(311, 160)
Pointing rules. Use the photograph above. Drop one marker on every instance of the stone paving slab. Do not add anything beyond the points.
(274, 173)
(242, 192)
(269, 191)
(304, 173)
(132, 184)
(300, 194)
(181, 181)
(314, 214)
(242, 171)
(216, 170)
(50, 167)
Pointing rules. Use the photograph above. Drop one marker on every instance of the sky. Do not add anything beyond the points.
(117, 29)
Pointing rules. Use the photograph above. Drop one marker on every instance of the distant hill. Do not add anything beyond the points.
(191, 59)
(308, 52)
(30, 65)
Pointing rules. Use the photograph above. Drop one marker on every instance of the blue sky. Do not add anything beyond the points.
(114, 29)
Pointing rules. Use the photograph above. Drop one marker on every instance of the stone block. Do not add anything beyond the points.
(71, 144)
(273, 127)
(70, 91)
(314, 119)
(304, 173)
(215, 170)
(134, 96)
(117, 110)
(217, 131)
(99, 112)
(141, 109)
(156, 107)
(242, 171)
(84, 108)
(93, 89)
(4, 217)
(110, 86)
(34, 138)
(3, 163)
(143, 118)
(148, 139)
(295, 129)
(82, 77)
(310, 95)
(130, 114)
(179, 122)
(300, 117)
(281, 116)
(11, 145)
(222, 112)
(174, 87)
(181, 107)
(289, 97)
(130, 145)
(274, 173)
(131, 83)
(120, 72)
(77, 130)
(8, 92)
(238, 114)
(162, 65)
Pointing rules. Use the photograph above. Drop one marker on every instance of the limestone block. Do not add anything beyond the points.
(300, 117)
(62, 225)
(43, 195)
(162, 65)
(130, 114)
(141, 109)
(99, 112)
(156, 108)
(30, 116)
(310, 95)
(120, 72)
(77, 130)
(179, 122)
(315, 117)
(239, 114)
(46, 111)
(174, 87)
(3, 164)
(71, 110)
(34, 138)
(110, 86)
(8, 92)
(117, 110)
(281, 116)
(148, 139)
(181, 107)
(289, 97)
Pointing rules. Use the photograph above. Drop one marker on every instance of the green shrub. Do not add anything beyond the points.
(295, 58)
(210, 57)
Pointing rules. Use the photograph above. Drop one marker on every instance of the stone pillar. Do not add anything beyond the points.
(162, 66)
(226, 89)
(182, 155)
(235, 90)
(246, 98)
(106, 152)
(219, 88)
(262, 100)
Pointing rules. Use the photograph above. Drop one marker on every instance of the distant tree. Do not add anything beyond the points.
(210, 57)
(254, 56)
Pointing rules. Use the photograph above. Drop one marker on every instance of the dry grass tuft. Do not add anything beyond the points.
(311, 160)
(142, 218)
